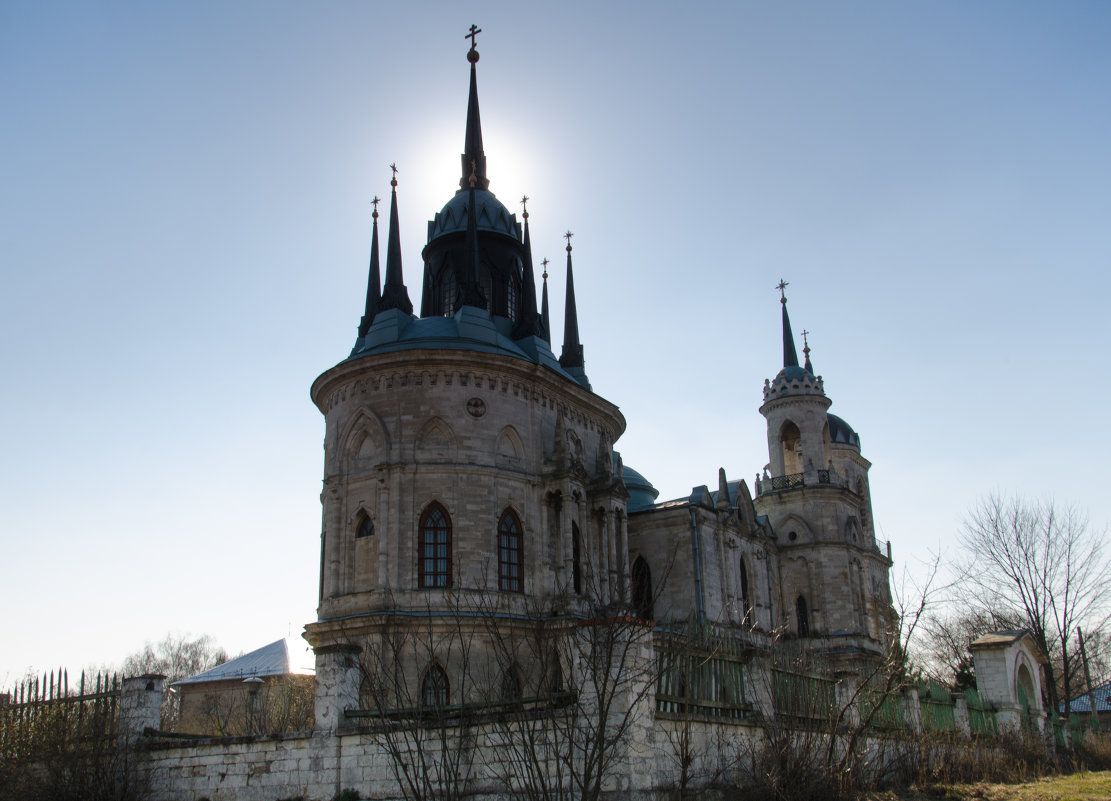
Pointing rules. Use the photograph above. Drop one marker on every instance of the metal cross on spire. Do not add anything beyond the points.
(393, 181)
(475, 31)
(568, 236)
(782, 286)
(375, 203)
(524, 206)
(544, 264)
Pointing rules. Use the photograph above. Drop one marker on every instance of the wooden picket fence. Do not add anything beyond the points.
(38, 712)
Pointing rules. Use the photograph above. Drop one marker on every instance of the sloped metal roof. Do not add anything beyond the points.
(1082, 706)
(269, 660)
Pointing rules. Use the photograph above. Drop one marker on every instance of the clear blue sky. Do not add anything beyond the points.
(184, 230)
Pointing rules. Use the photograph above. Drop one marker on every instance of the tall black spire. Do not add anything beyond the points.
(394, 293)
(472, 146)
(545, 317)
(790, 355)
(572, 355)
(528, 324)
(374, 281)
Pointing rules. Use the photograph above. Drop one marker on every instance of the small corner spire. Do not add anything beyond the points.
(790, 355)
(374, 280)
(529, 324)
(806, 353)
(474, 159)
(394, 293)
(545, 317)
(572, 355)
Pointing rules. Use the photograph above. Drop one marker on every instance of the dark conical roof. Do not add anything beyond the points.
(529, 324)
(790, 355)
(572, 355)
(545, 316)
(395, 295)
(374, 280)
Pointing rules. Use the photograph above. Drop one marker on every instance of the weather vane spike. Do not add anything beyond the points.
(782, 286)
(376, 201)
(568, 236)
(544, 264)
(472, 54)
(524, 206)
(393, 181)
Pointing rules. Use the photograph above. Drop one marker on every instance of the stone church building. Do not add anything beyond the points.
(507, 610)
(467, 466)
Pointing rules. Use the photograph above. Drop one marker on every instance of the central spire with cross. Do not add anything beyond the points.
(472, 146)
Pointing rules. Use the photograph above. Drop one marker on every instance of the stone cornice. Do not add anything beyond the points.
(484, 372)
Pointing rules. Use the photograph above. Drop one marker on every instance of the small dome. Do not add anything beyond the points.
(841, 432)
(642, 495)
(793, 373)
(490, 215)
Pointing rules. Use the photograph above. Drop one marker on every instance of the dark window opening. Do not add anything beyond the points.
(434, 688)
(435, 547)
(642, 590)
(509, 552)
(803, 617)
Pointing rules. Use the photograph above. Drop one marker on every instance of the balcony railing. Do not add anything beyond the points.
(811, 478)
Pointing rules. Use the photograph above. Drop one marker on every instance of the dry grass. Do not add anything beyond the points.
(1074, 787)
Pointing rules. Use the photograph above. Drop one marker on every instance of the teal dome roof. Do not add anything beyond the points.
(490, 215)
(642, 495)
(841, 432)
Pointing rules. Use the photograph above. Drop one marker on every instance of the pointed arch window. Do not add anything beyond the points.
(746, 598)
(509, 552)
(434, 688)
(802, 617)
(642, 589)
(435, 547)
(576, 559)
(365, 526)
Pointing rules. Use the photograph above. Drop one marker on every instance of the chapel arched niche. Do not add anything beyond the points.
(509, 448)
(364, 442)
(436, 442)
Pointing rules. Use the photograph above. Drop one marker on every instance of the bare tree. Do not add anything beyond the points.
(1046, 564)
(176, 656)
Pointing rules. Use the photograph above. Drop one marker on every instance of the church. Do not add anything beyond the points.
(468, 467)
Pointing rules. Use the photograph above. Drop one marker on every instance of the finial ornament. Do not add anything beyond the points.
(393, 181)
(568, 236)
(805, 344)
(472, 54)
(524, 206)
(375, 202)
(782, 286)
(544, 264)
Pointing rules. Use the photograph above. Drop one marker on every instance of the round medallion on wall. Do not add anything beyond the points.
(476, 407)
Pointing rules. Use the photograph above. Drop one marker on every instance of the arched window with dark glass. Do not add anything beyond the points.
(365, 526)
(746, 599)
(803, 617)
(509, 552)
(642, 589)
(576, 559)
(435, 547)
(434, 690)
(511, 685)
